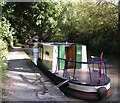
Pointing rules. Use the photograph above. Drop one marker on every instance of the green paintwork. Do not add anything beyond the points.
(78, 55)
(61, 55)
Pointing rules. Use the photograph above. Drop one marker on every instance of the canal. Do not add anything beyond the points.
(112, 72)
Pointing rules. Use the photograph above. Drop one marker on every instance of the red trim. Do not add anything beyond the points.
(101, 67)
(84, 95)
(81, 95)
(108, 93)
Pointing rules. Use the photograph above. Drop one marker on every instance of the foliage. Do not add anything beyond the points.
(3, 52)
(3, 49)
(3, 65)
(35, 45)
(6, 40)
(29, 18)
(6, 32)
(2, 3)
(92, 24)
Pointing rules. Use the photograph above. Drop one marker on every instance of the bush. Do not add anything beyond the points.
(3, 65)
(6, 32)
(3, 53)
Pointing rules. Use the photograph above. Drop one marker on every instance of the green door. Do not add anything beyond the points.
(61, 55)
(78, 55)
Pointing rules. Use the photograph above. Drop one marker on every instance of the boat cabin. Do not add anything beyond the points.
(67, 63)
(55, 55)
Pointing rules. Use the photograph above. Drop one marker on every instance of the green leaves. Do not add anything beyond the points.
(29, 18)
(6, 32)
(90, 23)
(87, 23)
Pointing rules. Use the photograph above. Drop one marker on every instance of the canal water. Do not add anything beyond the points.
(112, 72)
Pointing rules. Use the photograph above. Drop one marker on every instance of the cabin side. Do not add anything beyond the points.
(48, 55)
(84, 57)
(72, 52)
(54, 56)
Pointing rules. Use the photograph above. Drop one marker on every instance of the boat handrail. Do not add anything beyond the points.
(90, 62)
(98, 62)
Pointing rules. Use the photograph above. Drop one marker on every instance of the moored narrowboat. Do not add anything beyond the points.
(68, 62)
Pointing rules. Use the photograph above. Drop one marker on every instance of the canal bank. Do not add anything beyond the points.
(25, 82)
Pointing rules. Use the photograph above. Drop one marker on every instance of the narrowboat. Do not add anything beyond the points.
(67, 63)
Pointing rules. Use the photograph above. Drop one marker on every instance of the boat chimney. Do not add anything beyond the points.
(66, 42)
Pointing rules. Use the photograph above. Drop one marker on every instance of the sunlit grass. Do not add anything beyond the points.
(3, 65)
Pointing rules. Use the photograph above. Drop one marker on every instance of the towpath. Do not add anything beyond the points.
(25, 82)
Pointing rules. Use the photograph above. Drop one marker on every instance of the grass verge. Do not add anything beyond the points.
(3, 65)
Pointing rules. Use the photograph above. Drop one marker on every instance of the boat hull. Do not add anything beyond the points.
(69, 87)
(84, 95)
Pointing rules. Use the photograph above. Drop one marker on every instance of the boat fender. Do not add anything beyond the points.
(102, 92)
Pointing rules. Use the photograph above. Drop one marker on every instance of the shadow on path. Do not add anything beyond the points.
(21, 65)
(22, 80)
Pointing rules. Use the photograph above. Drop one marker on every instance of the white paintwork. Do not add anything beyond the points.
(106, 86)
(48, 59)
(87, 88)
(55, 56)
(35, 55)
(35, 50)
(51, 60)
(84, 57)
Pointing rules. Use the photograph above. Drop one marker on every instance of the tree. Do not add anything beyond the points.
(92, 24)
(119, 15)
(6, 32)
(29, 18)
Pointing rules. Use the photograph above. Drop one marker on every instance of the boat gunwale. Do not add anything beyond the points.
(54, 76)
(80, 83)
(74, 81)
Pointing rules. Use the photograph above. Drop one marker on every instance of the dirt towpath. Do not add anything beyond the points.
(25, 82)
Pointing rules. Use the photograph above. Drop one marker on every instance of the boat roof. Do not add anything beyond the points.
(58, 43)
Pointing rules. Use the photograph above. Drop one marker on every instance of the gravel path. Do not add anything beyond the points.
(22, 83)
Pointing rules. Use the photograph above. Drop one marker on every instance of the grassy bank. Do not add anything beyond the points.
(3, 65)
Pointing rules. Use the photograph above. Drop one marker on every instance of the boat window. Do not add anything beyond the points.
(46, 52)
